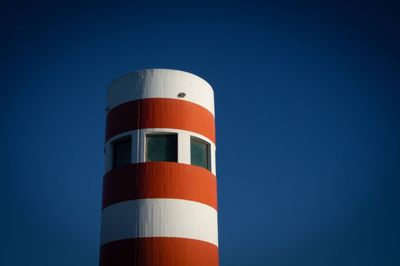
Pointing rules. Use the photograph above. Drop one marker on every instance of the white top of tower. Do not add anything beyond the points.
(160, 83)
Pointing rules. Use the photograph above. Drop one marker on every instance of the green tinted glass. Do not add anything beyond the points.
(199, 153)
(122, 152)
(162, 147)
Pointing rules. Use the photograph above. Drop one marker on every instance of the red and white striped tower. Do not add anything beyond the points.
(159, 190)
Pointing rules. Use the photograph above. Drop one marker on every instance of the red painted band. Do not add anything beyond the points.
(160, 180)
(160, 113)
(158, 251)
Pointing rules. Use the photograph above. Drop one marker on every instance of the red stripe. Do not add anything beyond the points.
(160, 113)
(158, 251)
(160, 180)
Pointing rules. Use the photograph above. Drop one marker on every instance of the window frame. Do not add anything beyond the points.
(208, 151)
(155, 133)
(120, 140)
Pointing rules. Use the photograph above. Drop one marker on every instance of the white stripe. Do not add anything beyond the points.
(160, 83)
(159, 218)
(138, 146)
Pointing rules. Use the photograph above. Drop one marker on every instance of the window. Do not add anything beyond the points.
(121, 152)
(200, 153)
(162, 147)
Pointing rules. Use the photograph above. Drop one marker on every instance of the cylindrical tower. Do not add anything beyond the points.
(159, 190)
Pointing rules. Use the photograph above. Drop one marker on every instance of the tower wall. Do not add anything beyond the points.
(156, 212)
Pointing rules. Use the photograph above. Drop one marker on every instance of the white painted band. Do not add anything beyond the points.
(159, 218)
(160, 83)
(138, 146)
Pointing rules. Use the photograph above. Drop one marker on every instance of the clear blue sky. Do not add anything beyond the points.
(308, 123)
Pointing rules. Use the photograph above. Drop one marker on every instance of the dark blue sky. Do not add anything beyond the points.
(308, 123)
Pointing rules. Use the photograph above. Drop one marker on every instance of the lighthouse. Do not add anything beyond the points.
(159, 205)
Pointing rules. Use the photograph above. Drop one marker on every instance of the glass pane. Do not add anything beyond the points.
(162, 147)
(199, 153)
(122, 152)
